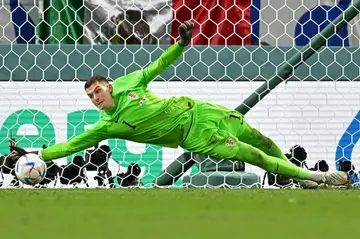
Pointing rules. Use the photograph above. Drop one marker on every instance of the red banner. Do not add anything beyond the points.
(217, 22)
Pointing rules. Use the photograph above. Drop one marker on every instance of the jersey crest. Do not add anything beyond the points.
(133, 96)
(230, 142)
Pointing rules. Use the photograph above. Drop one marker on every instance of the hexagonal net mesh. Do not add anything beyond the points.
(48, 49)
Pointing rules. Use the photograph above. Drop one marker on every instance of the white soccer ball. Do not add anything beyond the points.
(30, 169)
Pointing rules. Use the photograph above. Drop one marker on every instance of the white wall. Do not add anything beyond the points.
(312, 114)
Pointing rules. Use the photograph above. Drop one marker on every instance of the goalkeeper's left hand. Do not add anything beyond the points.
(185, 32)
(17, 152)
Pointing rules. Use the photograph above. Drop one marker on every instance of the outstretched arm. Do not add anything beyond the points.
(170, 55)
(162, 63)
(89, 138)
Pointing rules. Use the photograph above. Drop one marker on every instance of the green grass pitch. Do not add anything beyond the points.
(178, 213)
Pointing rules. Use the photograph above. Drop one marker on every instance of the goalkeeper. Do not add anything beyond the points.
(130, 111)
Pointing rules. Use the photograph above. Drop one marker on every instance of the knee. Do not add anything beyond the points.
(257, 157)
(268, 142)
(262, 139)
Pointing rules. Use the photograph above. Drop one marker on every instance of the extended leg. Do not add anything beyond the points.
(256, 139)
(249, 135)
(253, 137)
(222, 144)
(216, 136)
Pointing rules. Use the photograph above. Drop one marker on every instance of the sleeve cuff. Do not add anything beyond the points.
(178, 45)
(40, 154)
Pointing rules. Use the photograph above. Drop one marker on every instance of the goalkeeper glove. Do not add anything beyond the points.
(17, 152)
(185, 33)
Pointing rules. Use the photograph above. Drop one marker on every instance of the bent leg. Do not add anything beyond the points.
(253, 137)
(217, 136)
(225, 145)
(236, 124)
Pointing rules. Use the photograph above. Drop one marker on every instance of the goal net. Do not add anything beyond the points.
(48, 49)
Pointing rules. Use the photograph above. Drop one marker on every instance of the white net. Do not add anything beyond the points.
(49, 48)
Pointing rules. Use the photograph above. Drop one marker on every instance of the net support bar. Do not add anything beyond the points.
(305, 53)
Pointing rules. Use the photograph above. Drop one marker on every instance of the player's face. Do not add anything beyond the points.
(100, 94)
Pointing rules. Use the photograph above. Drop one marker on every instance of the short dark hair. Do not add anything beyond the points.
(93, 80)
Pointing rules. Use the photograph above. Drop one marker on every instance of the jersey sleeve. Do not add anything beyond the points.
(162, 63)
(89, 138)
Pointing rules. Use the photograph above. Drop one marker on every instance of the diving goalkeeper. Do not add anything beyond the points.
(130, 111)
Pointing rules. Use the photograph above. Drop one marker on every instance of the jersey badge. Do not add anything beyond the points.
(133, 96)
(230, 142)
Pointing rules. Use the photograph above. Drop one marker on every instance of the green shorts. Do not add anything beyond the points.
(215, 130)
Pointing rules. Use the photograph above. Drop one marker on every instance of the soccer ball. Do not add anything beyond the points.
(30, 169)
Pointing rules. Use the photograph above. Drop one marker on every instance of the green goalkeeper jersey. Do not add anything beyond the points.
(139, 115)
